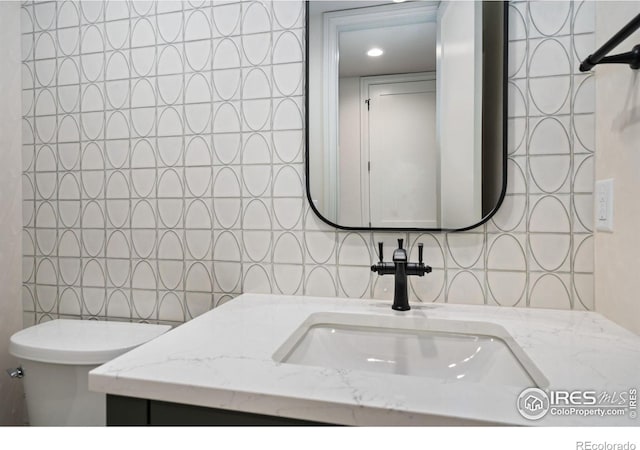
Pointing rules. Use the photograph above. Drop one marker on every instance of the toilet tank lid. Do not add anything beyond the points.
(81, 342)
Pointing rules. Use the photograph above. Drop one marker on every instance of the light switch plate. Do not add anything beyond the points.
(604, 205)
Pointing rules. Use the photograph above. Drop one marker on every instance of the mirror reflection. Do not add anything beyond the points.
(405, 113)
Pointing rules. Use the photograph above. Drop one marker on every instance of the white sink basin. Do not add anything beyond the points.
(450, 350)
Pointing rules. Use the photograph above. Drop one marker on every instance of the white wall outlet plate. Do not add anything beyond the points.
(604, 205)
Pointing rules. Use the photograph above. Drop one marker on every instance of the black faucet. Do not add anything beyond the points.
(401, 268)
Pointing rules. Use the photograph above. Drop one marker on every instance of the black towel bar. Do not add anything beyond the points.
(599, 56)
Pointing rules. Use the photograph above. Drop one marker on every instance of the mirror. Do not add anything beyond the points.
(406, 108)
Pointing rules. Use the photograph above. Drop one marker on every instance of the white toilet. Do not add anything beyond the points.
(56, 358)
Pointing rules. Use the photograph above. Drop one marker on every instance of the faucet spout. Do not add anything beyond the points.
(400, 293)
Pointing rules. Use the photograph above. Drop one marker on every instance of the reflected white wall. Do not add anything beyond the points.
(11, 397)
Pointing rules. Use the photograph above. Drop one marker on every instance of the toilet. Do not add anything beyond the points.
(56, 358)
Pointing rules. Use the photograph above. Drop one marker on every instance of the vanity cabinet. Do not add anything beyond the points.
(130, 411)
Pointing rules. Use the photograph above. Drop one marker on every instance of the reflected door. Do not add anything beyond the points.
(401, 139)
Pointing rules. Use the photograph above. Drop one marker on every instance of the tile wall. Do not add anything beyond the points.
(163, 167)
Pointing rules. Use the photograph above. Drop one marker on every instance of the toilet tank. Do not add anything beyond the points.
(57, 356)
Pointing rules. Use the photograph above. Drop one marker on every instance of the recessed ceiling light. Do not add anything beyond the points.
(399, 1)
(375, 52)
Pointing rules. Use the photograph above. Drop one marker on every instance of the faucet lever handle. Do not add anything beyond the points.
(400, 241)
(420, 252)
(380, 245)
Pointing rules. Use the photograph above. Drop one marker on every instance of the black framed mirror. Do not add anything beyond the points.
(406, 111)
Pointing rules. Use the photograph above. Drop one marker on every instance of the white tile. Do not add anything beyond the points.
(227, 212)
(584, 129)
(256, 114)
(169, 25)
(170, 307)
(287, 14)
(256, 280)
(430, 288)
(257, 245)
(433, 249)
(507, 288)
(143, 60)
(584, 173)
(70, 303)
(287, 114)
(288, 278)
(550, 173)
(320, 247)
(226, 182)
(142, 94)
(354, 282)
(511, 216)
(288, 78)
(288, 248)
(227, 18)
(144, 304)
(507, 252)
(550, 252)
(288, 145)
(550, 18)
(69, 72)
(256, 215)
(28, 299)
(517, 21)
(118, 304)
(226, 53)
(196, 26)
(583, 206)
(256, 18)
(550, 95)
(26, 19)
(92, 39)
(68, 41)
(198, 55)
(583, 286)
(465, 287)
(549, 290)
(352, 250)
(198, 244)
(256, 48)
(170, 274)
(466, 250)
(549, 135)
(549, 214)
(170, 212)
(227, 276)
(198, 118)
(516, 98)
(44, 14)
(91, 11)
(117, 33)
(256, 180)
(584, 20)
(256, 84)
(585, 94)
(321, 281)
(45, 71)
(92, 66)
(287, 47)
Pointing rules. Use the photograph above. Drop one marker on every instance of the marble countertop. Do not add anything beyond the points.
(224, 359)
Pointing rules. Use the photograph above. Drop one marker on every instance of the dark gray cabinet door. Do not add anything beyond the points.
(128, 411)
